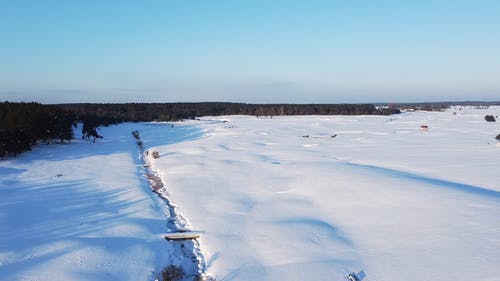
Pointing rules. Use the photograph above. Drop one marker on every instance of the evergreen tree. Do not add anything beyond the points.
(90, 127)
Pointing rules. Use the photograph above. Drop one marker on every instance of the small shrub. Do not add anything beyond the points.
(172, 273)
(498, 137)
(156, 154)
(489, 118)
(136, 134)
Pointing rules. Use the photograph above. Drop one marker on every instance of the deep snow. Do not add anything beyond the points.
(384, 195)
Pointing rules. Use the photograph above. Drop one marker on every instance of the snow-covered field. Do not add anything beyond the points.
(83, 211)
(384, 195)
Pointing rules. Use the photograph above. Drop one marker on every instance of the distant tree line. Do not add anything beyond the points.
(116, 113)
(24, 124)
(440, 106)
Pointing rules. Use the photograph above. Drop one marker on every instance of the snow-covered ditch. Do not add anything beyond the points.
(399, 201)
(83, 211)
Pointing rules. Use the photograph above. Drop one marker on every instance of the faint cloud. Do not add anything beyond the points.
(269, 82)
(262, 89)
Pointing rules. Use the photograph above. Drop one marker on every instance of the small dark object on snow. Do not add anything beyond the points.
(333, 136)
(156, 154)
(172, 273)
(352, 277)
(490, 118)
(136, 134)
(497, 137)
(355, 276)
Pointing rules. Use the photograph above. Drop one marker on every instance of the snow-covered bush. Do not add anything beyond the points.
(203, 277)
(172, 273)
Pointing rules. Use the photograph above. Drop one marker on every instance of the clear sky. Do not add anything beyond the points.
(249, 50)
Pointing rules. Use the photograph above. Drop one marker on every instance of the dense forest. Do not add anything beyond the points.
(25, 124)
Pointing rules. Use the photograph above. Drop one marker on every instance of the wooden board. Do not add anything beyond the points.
(182, 235)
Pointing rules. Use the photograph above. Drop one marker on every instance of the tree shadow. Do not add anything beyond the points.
(117, 139)
(42, 220)
(467, 188)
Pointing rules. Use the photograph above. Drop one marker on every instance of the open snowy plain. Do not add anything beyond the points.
(276, 199)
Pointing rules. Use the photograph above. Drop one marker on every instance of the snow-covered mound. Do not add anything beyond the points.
(408, 197)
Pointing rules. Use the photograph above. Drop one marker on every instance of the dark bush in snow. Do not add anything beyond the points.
(497, 137)
(489, 118)
(136, 134)
(172, 273)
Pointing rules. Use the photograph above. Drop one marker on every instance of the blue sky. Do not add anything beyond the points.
(249, 51)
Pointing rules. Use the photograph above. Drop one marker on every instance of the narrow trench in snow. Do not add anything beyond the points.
(186, 253)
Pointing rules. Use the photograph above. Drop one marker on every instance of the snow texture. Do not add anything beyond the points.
(399, 201)
(83, 211)
(385, 195)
